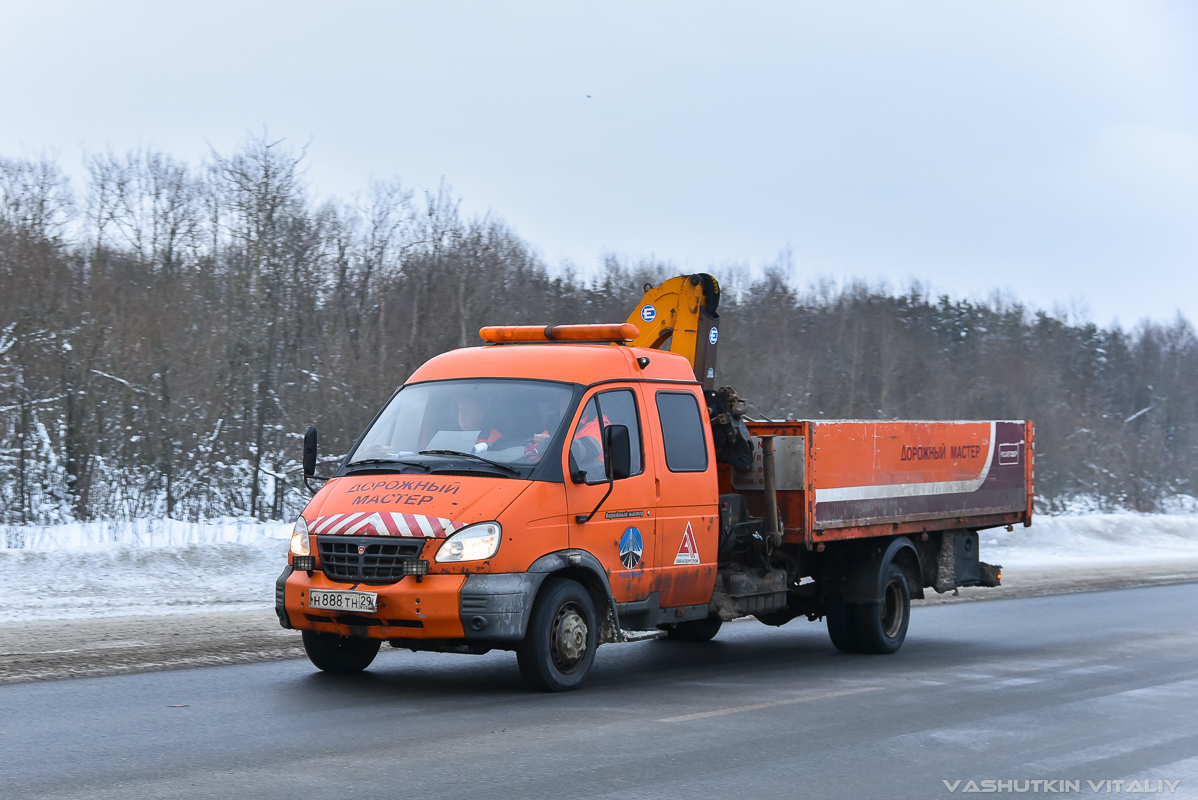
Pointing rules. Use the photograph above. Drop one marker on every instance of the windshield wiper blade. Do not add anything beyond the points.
(476, 456)
(369, 462)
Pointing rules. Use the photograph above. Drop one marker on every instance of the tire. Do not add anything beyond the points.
(696, 630)
(882, 628)
(340, 654)
(559, 646)
(841, 627)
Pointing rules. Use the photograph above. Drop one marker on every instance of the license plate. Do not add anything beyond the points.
(342, 601)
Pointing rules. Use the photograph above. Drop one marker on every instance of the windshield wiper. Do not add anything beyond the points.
(376, 461)
(512, 470)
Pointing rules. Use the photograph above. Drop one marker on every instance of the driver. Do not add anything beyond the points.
(540, 441)
(586, 449)
(471, 410)
(536, 448)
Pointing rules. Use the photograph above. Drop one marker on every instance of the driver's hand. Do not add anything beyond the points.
(533, 450)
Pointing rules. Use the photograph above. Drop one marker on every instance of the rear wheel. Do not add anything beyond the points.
(559, 645)
(696, 630)
(882, 628)
(340, 654)
(840, 624)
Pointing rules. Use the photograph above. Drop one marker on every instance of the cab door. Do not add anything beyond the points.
(688, 511)
(621, 534)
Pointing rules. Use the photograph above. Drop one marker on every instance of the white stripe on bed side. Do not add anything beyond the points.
(909, 489)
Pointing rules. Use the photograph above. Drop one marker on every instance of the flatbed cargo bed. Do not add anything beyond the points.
(850, 479)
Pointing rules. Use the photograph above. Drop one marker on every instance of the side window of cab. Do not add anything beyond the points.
(615, 407)
(682, 431)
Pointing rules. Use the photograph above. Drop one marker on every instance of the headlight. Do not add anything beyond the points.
(472, 543)
(299, 538)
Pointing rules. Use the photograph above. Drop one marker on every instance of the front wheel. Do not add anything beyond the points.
(559, 645)
(340, 654)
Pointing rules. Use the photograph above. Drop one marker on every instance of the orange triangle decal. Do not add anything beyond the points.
(688, 551)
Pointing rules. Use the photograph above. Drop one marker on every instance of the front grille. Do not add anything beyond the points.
(381, 562)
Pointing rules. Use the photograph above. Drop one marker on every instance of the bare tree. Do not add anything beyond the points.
(163, 345)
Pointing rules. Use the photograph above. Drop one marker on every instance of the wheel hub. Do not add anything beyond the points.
(893, 610)
(568, 639)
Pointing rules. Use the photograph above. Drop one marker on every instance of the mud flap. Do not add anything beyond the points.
(957, 563)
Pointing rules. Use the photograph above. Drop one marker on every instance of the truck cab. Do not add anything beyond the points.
(535, 497)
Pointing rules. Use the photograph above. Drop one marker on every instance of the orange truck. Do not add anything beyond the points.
(568, 486)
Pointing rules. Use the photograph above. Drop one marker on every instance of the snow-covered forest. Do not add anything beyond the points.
(168, 330)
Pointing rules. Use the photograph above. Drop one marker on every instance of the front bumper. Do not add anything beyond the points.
(495, 608)
(478, 607)
(407, 609)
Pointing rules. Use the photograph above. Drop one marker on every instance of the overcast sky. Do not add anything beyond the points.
(1049, 150)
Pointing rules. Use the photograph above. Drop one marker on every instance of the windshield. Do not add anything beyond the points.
(503, 421)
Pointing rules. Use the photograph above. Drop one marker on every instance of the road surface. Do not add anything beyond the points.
(32, 650)
(1092, 687)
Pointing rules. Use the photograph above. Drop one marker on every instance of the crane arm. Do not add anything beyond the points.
(680, 316)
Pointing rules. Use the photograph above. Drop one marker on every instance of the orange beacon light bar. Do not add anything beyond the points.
(617, 332)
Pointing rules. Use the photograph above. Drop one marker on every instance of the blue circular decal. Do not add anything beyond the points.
(713, 335)
(648, 313)
(631, 548)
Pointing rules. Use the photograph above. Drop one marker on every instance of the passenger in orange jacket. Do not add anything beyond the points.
(586, 450)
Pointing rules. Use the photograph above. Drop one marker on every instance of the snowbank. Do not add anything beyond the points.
(1094, 539)
(170, 567)
(140, 533)
(141, 567)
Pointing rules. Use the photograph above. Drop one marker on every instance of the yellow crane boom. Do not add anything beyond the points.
(680, 316)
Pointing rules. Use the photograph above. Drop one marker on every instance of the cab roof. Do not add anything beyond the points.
(572, 363)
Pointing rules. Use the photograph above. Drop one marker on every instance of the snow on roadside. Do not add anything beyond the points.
(1094, 540)
(171, 567)
(141, 567)
(141, 533)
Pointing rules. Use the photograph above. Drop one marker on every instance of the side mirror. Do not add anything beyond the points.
(310, 452)
(619, 451)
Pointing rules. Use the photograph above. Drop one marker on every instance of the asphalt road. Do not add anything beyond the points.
(91, 647)
(1084, 687)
